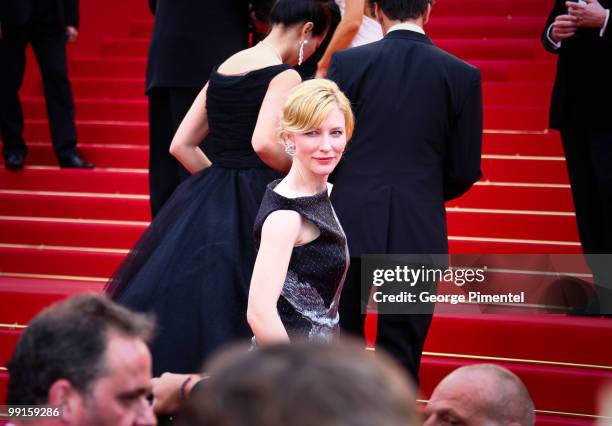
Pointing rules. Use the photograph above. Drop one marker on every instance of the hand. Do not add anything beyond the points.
(167, 391)
(588, 14)
(564, 27)
(72, 34)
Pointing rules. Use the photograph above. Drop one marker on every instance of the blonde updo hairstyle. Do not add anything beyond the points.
(309, 103)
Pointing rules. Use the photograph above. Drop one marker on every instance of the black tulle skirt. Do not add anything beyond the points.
(192, 266)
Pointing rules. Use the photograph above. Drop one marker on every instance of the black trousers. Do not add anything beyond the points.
(167, 108)
(588, 153)
(50, 51)
(400, 335)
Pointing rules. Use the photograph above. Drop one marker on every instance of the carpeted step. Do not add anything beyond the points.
(124, 88)
(95, 66)
(75, 205)
(553, 388)
(8, 341)
(542, 70)
(558, 338)
(95, 131)
(141, 28)
(517, 118)
(23, 298)
(510, 224)
(493, 48)
(485, 26)
(60, 261)
(124, 181)
(524, 169)
(527, 94)
(93, 109)
(70, 232)
(511, 197)
(546, 143)
(102, 155)
(466, 244)
(468, 8)
(3, 386)
(125, 47)
(560, 420)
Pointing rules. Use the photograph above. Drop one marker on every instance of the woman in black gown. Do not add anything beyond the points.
(192, 266)
(303, 256)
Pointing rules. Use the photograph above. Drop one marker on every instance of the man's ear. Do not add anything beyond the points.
(427, 13)
(63, 394)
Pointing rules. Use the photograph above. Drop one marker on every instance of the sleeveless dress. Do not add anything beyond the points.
(369, 31)
(192, 267)
(308, 305)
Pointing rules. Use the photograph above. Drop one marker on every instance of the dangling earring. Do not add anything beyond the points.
(290, 149)
(301, 52)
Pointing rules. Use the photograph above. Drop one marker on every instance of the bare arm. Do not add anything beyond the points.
(345, 33)
(278, 237)
(266, 141)
(191, 132)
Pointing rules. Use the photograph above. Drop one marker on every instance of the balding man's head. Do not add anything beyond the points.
(480, 394)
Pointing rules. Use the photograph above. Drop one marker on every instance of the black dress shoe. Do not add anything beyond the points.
(74, 162)
(14, 161)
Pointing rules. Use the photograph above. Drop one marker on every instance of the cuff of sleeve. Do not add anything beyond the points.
(603, 28)
(556, 44)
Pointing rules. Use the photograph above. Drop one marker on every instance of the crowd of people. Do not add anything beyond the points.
(88, 358)
(265, 192)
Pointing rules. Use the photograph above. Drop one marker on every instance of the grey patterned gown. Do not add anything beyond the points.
(308, 306)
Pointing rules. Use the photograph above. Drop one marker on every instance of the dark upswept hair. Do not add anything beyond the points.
(294, 12)
(302, 384)
(68, 340)
(402, 10)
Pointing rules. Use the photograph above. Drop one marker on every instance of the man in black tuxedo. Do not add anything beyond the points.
(417, 143)
(47, 25)
(581, 35)
(189, 38)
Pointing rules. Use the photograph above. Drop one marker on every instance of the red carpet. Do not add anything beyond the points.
(63, 232)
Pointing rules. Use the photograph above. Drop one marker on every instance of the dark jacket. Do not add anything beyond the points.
(417, 142)
(583, 84)
(15, 13)
(190, 37)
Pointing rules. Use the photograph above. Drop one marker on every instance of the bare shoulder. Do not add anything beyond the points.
(287, 78)
(243, 62)
(282, 225)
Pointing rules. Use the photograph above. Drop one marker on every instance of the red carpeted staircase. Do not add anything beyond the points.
(63, 232)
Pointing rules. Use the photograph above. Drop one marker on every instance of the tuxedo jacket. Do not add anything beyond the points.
(417, 142)
(14, 13)
(190, 37)
(582, 92)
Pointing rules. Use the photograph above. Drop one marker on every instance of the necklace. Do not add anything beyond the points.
(269, 46)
